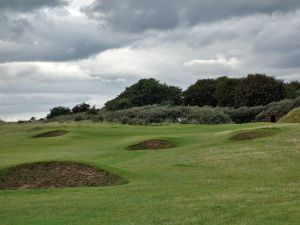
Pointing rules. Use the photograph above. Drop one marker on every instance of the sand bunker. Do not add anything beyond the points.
(42, 175)
(152, 145)
(53, 133)
(254, 134)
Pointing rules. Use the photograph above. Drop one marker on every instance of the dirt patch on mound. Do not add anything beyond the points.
(43, 175)
(254, 134)
(53, 133)
(152, 145)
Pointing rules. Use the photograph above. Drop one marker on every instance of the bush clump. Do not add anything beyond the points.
(279, 108)
(165, 114)
(58, 111)
(245, 114)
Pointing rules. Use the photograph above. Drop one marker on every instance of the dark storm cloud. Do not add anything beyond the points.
(28, 5)
(140, 15)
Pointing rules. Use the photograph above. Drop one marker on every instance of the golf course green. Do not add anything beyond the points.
(205, 177)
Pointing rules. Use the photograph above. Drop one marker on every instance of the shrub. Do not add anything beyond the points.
(282, 107)
(83, 107)
(245, 114)
(78, 118)
(165, 114)
(297, 102)
(92, 111)
(145, 92)
(208, 115)
(99, 118)
(58, 111)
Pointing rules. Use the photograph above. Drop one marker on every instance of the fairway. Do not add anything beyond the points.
(205, 178)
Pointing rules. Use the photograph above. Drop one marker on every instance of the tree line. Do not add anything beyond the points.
(250, 91)
(253, 90)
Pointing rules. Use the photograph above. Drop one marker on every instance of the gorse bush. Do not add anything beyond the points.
(155, 114)
(208, 115)
(83, 107)
(167, 114)
(92, 111)
(280, 108)
(245, 114)
(58, 111)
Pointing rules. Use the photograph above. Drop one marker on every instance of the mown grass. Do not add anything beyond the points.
(207, 179)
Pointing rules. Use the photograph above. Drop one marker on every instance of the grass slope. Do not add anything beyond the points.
(292, 117)
(207, 179)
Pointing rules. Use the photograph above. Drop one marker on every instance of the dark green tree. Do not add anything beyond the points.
(201, 93)
(225, 91)
(292, 89)
(83, 107)
(58, 111)
(145, 92)
(258, 89)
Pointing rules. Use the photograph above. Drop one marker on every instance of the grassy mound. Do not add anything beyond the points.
(254, 134)
(56, 175)
(34, 129)
(53, 133)
(291, 117)
(152, 145)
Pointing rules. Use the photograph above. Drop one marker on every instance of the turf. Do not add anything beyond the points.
(207, 179)
(292, 117)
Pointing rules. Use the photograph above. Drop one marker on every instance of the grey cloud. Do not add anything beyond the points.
(40, 37)
(28, 5)
(141, 15)
(136, 15)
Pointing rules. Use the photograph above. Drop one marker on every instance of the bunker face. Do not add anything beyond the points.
(56, 175)
(254, 134)
(152, 145)
(53, 133)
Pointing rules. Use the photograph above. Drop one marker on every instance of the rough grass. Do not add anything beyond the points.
(291, 117)
(57, 174)
(254, 134)
(154, 144)
(205, 180)
(53, 133)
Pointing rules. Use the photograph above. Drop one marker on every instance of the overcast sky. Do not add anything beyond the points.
(64, 52)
